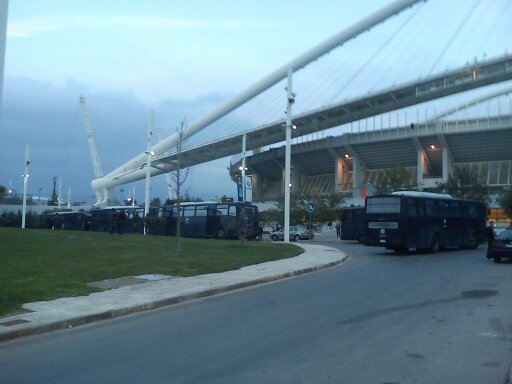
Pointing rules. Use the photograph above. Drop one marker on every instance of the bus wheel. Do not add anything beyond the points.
(435, 243)
(497, 259)
(473, 243)
(221, 234)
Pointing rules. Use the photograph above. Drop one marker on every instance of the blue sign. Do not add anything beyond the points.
(311, 207)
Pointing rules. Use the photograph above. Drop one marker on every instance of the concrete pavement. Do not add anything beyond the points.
(141, 293)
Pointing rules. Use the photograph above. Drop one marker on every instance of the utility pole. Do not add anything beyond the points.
(287, 164)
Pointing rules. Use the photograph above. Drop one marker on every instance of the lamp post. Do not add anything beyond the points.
(242, 168)
(287, 167)
(25, 177)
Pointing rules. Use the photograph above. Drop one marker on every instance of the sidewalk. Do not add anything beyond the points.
(152, 291)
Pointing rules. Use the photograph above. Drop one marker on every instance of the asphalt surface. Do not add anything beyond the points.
(137, 294)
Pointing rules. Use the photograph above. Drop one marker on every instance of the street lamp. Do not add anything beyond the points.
(290, 100)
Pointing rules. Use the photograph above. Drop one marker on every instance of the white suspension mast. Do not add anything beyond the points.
(98, 173)
(131, 170)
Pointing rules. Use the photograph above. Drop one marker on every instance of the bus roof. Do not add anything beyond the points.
(423, 194)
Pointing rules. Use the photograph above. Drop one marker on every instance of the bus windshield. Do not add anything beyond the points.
(386, 204)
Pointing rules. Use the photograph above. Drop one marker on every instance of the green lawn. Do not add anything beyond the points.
(44, 264)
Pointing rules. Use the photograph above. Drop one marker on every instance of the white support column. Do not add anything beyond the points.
(356, 172)
(446, 164)
(421, 167)
(338, 175)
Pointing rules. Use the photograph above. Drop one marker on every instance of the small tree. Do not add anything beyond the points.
(395, 178)
(179, 179)
(464, 184)
(505, 201)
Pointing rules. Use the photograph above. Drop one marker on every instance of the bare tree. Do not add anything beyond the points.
(178, 179)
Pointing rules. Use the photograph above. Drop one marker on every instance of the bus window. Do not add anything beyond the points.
(411, 208)
(201, 210)
(232, 210)
(473, 211)
(189, 211)
(431, 208)
(443, 209)
(454, 209)
(388, 204)
(223, 210)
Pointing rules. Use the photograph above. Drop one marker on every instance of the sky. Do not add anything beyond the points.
(180, 59)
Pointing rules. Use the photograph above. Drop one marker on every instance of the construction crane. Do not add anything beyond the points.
(168, 177)
(98, 173)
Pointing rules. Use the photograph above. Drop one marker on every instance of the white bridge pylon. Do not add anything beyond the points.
(133, 170)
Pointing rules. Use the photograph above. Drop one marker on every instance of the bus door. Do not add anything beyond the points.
(188, 221)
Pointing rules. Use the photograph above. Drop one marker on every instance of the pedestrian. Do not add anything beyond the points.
(338, 228)
(491, 235)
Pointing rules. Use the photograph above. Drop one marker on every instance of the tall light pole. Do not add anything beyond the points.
(25, 177)
(244, 150)
(149, 154)
(287, 164)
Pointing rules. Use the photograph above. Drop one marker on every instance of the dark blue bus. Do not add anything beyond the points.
(107, 219)
(422, 220)
(226, 220)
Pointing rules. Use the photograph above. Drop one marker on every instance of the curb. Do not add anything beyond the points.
(111, 314)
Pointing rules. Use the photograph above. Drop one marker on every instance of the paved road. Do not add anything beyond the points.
(377, 318)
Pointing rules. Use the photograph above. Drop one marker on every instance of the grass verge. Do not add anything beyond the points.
(40, 265)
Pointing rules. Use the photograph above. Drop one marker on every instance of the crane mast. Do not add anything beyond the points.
(98, 173)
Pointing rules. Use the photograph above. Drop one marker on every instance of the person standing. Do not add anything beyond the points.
(491, 235)
(338, 228)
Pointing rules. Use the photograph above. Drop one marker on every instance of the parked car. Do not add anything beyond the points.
(296, 233)
(502, 246)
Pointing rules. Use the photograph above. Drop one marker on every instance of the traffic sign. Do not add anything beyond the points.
(311, 207)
